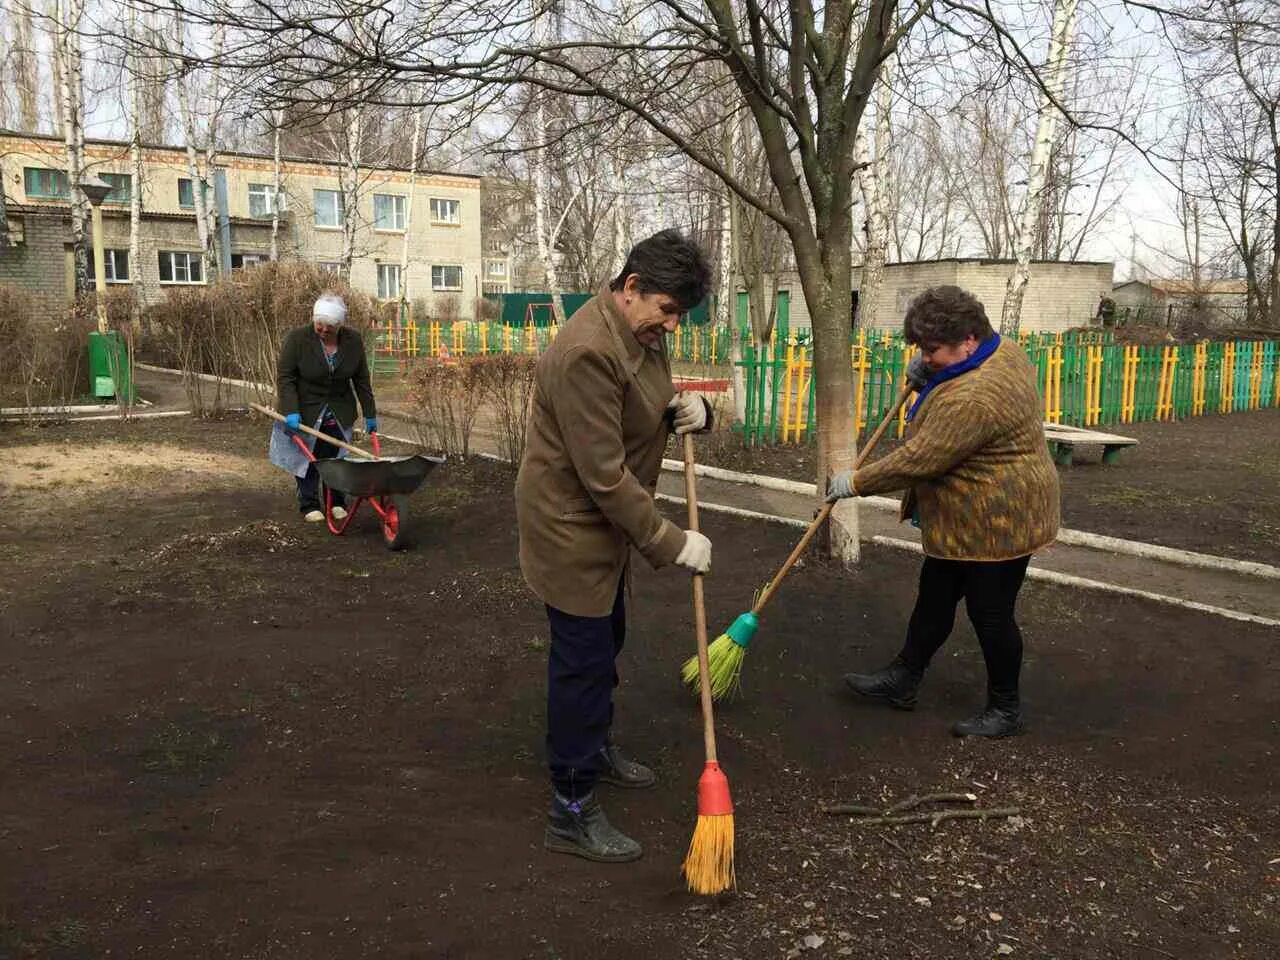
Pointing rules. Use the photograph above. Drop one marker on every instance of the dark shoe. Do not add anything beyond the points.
(996, 721)
(896, 684)
(621, 772)
(581, 828)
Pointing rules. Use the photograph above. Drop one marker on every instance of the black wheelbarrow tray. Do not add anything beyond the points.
(385, 483)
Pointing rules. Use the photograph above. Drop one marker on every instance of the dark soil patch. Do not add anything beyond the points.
(234, 746)
(1210, 484)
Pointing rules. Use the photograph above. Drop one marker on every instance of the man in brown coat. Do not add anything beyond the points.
(983, 490)
(602, 409)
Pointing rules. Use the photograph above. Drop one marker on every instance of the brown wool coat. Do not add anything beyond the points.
(976, 465)
(597, 432)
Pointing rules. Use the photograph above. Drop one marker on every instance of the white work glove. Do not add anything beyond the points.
(690, 412)
(695, 555)
(841, 486)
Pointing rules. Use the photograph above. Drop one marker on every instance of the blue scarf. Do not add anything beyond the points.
(985, 349)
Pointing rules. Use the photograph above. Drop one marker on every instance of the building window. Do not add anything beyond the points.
(445, 211)
(388, 281)
(43, 182)
(496, 268)
(121, 187)
(262, 200)
(390, 211)
(494, 289)
(446, 278)
(247, 261)
(186, 196)
(330, 266)
(328, 205)
(115, 265)
(177, 266)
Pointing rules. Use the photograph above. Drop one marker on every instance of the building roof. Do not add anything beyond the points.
(125, 144)
(1181, 286)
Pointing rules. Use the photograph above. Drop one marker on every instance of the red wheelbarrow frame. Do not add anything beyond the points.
(384, 505)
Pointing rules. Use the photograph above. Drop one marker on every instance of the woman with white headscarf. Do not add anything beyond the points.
(321, 372)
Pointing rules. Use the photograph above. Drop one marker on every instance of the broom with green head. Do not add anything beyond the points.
(727, 651)
(708, 866)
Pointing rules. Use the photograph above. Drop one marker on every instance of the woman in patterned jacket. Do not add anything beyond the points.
(981, 486)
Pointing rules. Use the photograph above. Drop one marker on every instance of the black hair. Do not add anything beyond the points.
(670, 263)
(943, 315)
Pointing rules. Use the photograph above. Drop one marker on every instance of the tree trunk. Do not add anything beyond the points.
(199, 189)
(727, 294)
(277, 184)
(875, 180)
(408, 213)
(26, 75)
(71, 111)
(351, 189)
(135, 157)
(1055, 78)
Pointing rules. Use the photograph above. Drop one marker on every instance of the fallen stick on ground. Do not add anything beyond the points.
(896, 814)
(902, 806)
(933, 819)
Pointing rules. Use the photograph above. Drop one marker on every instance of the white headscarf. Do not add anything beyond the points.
(330, 309)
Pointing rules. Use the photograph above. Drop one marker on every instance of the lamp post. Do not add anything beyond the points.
(96, 190)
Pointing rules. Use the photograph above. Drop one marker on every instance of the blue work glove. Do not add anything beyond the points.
(841, 486)
(370, 424)
(292, 422)
(917, 373)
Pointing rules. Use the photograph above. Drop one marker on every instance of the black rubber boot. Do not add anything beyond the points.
(620, 771)
(581, 828)
(896, 684)
(1001, 718)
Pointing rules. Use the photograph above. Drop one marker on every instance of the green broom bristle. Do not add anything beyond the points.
(724, 663)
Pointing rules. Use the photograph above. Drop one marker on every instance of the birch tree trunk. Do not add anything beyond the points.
(728, 289)
(199, 189)
(52, 11)
(71, 113)
(875, 193)
(408, 211)
(546, 243)
(135, 157)
(351, 189)
(1055, 80)
(277, 184)
(221, 258)
(26, 76)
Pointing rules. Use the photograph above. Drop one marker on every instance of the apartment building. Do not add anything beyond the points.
(437, 215)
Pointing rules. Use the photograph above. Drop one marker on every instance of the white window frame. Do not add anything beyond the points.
(500, 273)
(438, 208)
(440, 287)
(267, 192)
(250, 260)
(392, 271)
(109, 264)
(338, 204)
(399, 212)
(188, 259)
(331, 266)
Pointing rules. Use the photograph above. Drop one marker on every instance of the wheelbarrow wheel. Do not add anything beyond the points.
(395, 526)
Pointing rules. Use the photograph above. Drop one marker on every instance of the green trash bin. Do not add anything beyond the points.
(109, 374)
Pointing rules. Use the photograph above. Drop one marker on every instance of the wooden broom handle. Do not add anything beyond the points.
(316, 433)
(699, 609)
(826, 507)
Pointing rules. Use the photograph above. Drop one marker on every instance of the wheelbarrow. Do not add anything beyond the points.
(385, 482)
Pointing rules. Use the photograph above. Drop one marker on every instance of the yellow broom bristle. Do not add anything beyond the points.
(724, 666)
(708, 867)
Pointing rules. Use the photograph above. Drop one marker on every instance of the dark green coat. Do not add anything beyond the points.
(305, 384)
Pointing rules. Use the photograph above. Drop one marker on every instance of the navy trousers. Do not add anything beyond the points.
(309, 485)
(581, 675)
(990, 593)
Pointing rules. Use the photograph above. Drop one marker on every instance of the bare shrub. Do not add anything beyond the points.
(445, 399)
(507, 382)
(486, 309)
(45, 359)
(447, 309)
(232, 329)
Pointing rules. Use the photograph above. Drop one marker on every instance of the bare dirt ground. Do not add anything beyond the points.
(1210, 484)
(229, 734)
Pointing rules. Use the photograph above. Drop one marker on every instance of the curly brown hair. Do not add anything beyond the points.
(945, 314)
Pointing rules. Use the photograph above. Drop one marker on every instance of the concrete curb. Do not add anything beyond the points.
(1033, 573)
(1076, 538)
(207, 377)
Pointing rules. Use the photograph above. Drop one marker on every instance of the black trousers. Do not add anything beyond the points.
(309, 485)
(581, 675)
(990, 592)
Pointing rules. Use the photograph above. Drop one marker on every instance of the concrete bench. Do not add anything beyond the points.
(1064, 439)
